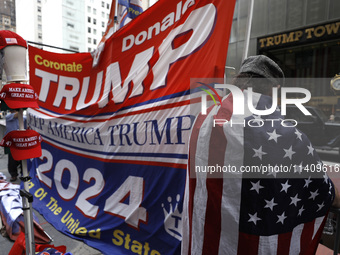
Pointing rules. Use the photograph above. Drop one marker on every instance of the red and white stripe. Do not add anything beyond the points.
(211, 219)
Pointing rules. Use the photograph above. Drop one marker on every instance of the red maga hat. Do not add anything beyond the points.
(17, 95)
(24, 144)
(9, 38)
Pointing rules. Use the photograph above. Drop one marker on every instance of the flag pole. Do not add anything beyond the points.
(248, 30)
(116, 17)
(27, 198)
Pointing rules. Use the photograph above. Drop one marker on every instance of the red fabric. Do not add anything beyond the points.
(19, 246)
(41, 247)
(207, 59)
(39, 234)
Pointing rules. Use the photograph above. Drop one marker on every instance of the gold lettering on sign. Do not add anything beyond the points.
(295, 36)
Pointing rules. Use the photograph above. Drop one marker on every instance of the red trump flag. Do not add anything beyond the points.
(116, 126)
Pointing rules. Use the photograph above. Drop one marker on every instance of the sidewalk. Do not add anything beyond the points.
(74, 246)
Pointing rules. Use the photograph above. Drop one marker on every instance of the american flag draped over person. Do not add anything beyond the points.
(246, 213)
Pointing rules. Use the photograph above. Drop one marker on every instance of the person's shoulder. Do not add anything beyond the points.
(9, 116)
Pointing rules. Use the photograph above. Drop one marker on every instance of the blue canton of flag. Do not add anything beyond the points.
(128, 10)
(296, 192)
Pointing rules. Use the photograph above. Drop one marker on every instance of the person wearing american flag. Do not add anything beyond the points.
(279, 209)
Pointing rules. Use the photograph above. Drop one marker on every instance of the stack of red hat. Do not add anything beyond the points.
(24, 144)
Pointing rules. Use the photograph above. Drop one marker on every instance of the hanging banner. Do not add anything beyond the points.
(116, 126)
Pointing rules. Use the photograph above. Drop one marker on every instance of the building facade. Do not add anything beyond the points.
(7, 15)
(97, 15)
(302, 36)
(77, 25)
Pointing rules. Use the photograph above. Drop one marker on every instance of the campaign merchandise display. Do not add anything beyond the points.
(115, 126)
(17, 95)
(24, 144)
